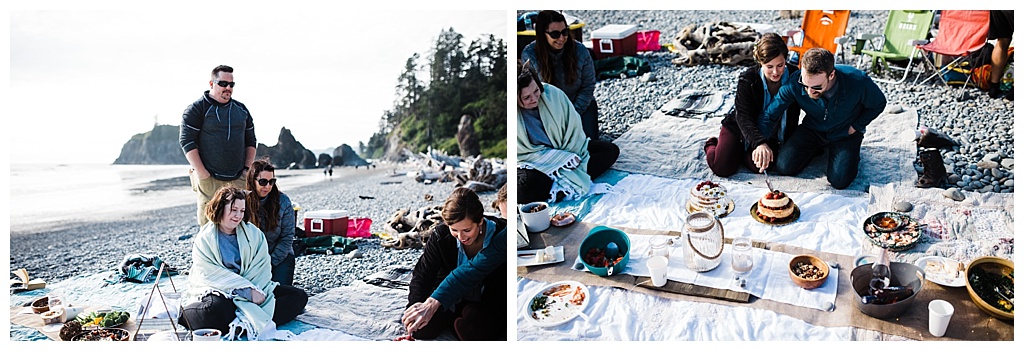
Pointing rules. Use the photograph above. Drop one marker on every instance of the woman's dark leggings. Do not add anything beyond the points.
(217, 312)
(534, 185)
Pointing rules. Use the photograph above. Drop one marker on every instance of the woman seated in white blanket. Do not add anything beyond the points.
(556, 159)
(230, 285)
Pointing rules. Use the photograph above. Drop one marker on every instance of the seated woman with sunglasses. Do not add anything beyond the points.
(565, 63)
(459, 282)
(229, 281)
(274, 215)
(556, 160)
(746, 136)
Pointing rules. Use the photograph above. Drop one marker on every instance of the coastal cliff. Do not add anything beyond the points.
(156, 147)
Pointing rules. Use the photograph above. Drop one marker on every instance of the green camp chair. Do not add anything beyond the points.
(904, 30)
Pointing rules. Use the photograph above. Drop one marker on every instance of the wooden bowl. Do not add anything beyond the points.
(808, 283)
(988, 265)
(41, 305)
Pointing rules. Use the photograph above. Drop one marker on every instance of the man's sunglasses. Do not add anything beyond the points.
(819, 87)
(224, 83)
(555, 34)
(264, 182)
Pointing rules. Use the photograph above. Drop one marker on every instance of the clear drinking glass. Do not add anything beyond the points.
(742, 259)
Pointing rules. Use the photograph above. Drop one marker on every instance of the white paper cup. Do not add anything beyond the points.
(939, 313)
(536, 221)
(658, 265)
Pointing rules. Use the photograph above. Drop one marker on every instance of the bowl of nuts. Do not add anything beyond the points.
(536, 216)
(807, 271)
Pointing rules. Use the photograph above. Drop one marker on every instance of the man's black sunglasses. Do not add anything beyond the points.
(224, 83)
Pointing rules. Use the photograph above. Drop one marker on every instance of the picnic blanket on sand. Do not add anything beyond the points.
(887, 153)
(371, 308)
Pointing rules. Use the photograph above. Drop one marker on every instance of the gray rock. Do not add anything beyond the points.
(954, 194)
(961, 184)
(949, 168)
(996, 173)
(991, 156)
(954, 178)
(1008, 183)
(987, 165)
(648, 77)
(986, 189)
(903, 206)
(1007, 163)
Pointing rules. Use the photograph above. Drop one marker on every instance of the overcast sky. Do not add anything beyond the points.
(86, 81)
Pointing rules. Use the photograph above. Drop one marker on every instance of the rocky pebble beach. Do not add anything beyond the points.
(85, 247)
(984, 161)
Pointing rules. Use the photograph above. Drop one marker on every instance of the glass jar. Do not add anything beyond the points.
(705, 240)
(659, 246)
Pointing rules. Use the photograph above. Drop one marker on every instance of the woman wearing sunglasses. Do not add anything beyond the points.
(273, 214)
(747, 136)
(565, 63)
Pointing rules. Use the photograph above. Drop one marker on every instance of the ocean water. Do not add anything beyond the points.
(46, 193)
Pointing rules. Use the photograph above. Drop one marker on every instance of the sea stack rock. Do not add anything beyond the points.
(469, 144)
(159, 146)
(323, 161)
(345, 156)
(287, 151)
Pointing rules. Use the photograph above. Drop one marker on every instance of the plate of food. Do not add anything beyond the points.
(893, 231)
(548, 255)
(103, 319)
(775, 208)
(557, 303)
(942, 271)
(103, 334)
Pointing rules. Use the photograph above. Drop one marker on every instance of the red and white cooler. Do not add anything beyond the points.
(326, 222)
(614, 40)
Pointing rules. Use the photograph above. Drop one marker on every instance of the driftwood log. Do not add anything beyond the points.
(715, 43)
(412, 228)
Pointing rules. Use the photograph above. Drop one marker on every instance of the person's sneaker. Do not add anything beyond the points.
(993, 90)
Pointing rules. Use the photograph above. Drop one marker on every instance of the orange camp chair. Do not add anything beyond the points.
(960, 34)
(821, 29)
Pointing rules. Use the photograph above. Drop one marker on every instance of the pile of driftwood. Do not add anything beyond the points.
(476, 173)
(715, 42)
(411, 229)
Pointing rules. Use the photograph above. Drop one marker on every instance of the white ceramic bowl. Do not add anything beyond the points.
(536, 221)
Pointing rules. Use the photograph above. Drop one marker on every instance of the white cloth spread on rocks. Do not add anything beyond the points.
(887, 153)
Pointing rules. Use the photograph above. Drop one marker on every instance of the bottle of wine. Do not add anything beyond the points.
(888, 295)
(880, 272)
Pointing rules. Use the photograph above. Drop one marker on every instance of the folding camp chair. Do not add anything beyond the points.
(960, 34)
(820, 29)
(897, 42)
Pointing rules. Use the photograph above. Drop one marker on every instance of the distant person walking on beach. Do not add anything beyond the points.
(230, 279)
(839, 102)
(744, 137)
(565, 63)
(459, 281)
(556, 159)
(218, 139)
(275, 216)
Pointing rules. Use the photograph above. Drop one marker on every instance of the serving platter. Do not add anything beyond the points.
(942, 271)
(792, 218)
(894, 240)
(526, 258)
(557, 303)
(103, 334)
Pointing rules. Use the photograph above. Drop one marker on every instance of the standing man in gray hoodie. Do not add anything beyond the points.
(218, 139)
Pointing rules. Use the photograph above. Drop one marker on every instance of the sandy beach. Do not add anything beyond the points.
(58, 249)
